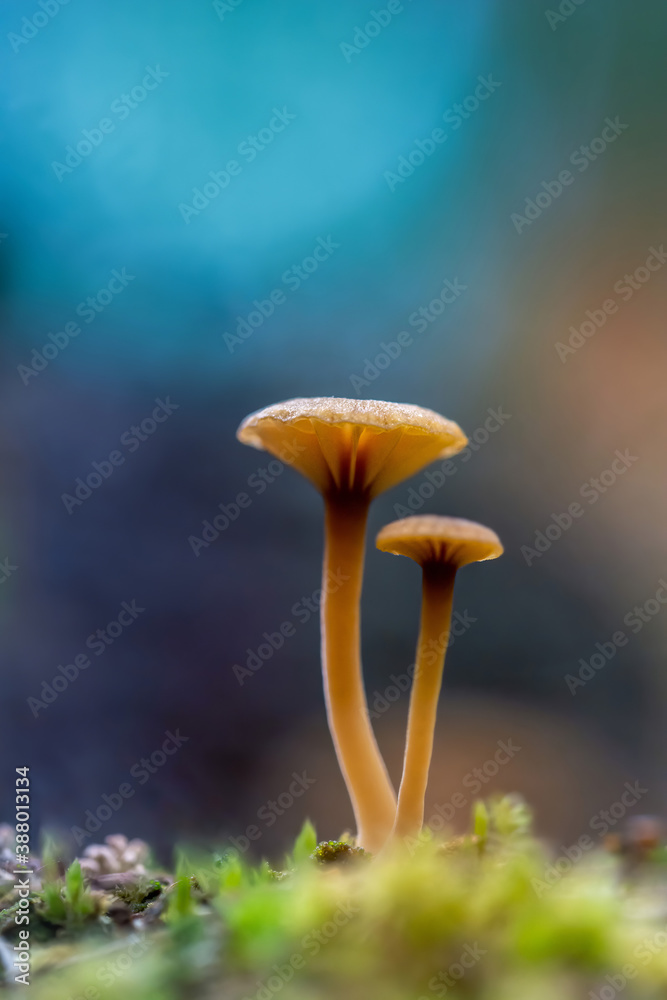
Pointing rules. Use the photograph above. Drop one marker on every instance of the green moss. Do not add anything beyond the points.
(337, 852)
(65, 902)
(485, 917)
(304, 845)
(139, 895)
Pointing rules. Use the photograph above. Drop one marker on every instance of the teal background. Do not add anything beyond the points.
(356, 114)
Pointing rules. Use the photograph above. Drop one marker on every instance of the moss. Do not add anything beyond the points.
(140, 895)
(337, 852)
(492, 907)
(65, 905)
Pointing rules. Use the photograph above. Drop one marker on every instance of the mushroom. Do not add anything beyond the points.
(441, 545)
(352, 450)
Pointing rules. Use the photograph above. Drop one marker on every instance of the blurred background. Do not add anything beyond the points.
(168, 172)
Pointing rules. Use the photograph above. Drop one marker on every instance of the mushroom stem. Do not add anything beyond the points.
(436, 615)
(370, 789)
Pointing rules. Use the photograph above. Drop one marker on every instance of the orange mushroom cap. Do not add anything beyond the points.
(352, 444)
(431, 538)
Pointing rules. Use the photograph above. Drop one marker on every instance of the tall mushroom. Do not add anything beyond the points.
(440, 545)
(352, 450)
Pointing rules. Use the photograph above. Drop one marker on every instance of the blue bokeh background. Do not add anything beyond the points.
(330, 175)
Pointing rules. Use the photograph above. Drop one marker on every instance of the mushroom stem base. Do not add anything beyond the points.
(436, 615)
(371, 792)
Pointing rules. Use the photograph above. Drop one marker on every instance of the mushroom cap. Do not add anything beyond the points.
(430, 538)
(352, 444)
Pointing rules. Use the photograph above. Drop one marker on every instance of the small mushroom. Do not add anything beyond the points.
(441, 545)
(352, 450)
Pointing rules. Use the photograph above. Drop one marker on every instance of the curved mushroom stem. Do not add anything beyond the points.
(371, 792)
(436, 615)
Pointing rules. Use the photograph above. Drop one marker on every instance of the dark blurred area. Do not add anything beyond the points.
(168, 172)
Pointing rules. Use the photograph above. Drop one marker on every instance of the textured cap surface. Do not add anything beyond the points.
(355, 444)
(431, 538)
